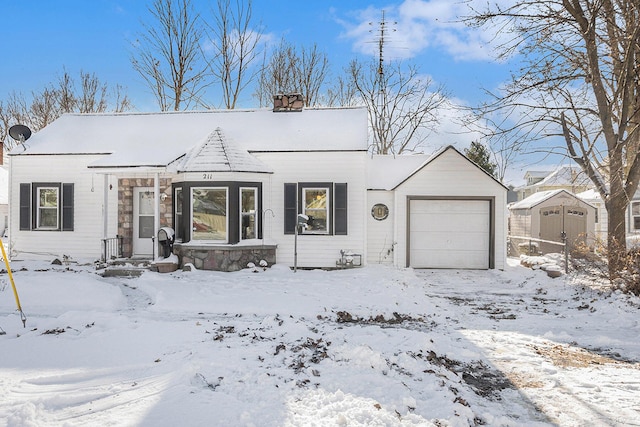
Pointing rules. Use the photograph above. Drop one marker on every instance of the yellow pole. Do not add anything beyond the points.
(13, 285)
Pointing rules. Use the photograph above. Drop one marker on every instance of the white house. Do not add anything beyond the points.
(233, 184)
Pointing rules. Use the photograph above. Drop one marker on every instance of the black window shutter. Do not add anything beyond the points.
(25, 206)
(340, 208)
(290, 207)
(67, 207)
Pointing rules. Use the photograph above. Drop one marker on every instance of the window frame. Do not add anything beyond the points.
(242, 214)
(337, 207)
(30, 209)
(327, 208)
(635, 217)
(39, 208)
(191, 213)
(178, 213)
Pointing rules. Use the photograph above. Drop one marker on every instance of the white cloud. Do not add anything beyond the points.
(416, 25)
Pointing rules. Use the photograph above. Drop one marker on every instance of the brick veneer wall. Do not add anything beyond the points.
(125, 208)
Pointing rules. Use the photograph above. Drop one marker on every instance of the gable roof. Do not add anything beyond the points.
(157, 139)
(541, 196)
(217, 154)
(398, 169)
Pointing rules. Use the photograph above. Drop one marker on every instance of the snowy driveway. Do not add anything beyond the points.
(362, 347)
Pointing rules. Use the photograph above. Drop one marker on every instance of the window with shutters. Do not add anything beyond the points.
(46, 206)
(324, 203)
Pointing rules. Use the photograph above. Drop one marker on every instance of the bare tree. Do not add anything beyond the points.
(401, 105)
(235, 49)
(290, 69)
(341, 92)
(64, 96)
(580, 81)
(168, 55)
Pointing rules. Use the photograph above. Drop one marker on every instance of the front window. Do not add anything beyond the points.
(178, 213)
(635, 213)
(209, 214)
(249, 204)
(47, 209)
(316, 207)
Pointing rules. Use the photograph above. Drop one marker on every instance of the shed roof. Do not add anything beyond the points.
(541, 196)
(157, 139)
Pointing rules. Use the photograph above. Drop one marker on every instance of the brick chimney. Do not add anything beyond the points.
(288, 102)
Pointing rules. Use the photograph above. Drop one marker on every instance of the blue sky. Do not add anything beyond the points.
(41, 37)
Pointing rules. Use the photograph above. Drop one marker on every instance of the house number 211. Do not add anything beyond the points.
(207, 176)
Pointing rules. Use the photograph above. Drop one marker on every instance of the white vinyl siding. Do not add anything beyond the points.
(381, 240)
(84, 242)
(315, 250)
(450, 175)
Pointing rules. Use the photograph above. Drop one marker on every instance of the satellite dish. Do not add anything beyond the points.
(20, 132)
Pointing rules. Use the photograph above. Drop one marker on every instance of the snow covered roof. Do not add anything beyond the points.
(217, 154)
(537, 174)
(157, 139)
(566, 175)
(395, 169)
(590, 195)
(539, 197)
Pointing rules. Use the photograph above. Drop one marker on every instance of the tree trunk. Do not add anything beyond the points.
(616, 238)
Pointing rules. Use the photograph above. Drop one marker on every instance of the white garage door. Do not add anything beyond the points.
(449, 233)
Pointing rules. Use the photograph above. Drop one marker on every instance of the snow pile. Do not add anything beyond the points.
(357, 347)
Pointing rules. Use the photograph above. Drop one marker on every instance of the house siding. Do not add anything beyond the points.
(298, 167)
(381, 241)
(451, 175)
(84, 241)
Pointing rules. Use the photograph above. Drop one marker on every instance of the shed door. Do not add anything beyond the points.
(556, 219)
(449, 233)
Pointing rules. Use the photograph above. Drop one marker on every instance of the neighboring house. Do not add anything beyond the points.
(602, 218)
(547, 215)
(570, 178)
(233, 183)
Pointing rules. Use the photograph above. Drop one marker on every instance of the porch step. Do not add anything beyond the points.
(125, 267)
(123, 272)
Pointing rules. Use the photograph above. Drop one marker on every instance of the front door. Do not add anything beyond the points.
(143, 220)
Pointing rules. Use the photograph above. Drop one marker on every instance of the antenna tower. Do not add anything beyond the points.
(383, 29)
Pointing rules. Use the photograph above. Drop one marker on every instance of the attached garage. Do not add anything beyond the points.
(449, 233)
(443, 211)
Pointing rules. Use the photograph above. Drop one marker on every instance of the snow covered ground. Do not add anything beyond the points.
(373, 346)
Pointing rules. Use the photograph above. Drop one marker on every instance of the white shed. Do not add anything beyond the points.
(439, 211)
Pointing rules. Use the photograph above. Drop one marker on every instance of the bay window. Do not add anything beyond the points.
(248, 210)
(209, 214)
